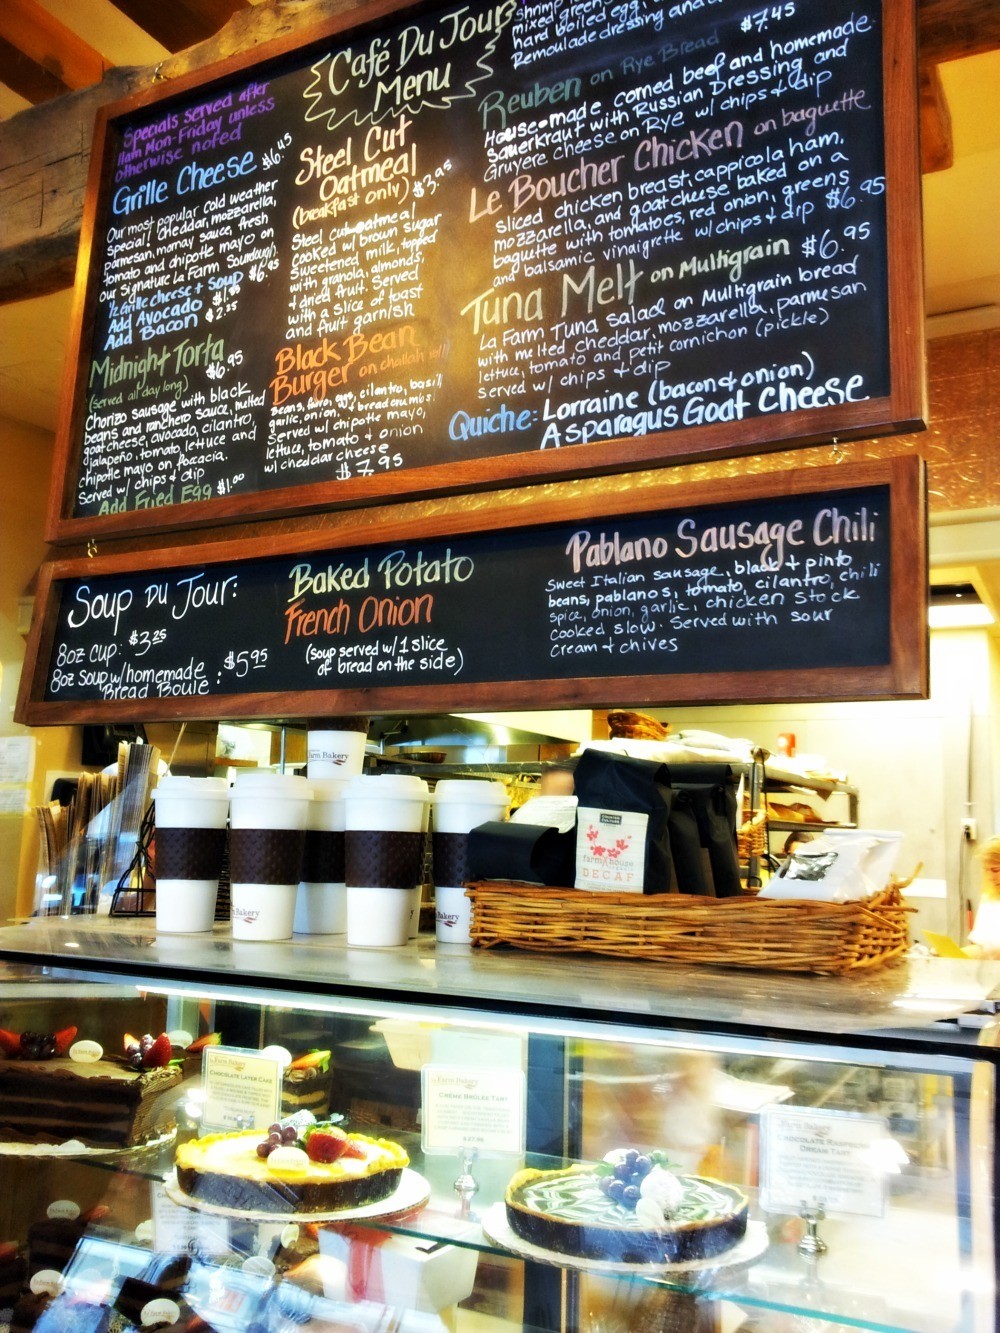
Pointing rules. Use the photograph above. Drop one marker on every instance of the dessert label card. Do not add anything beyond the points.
(477, 1108)
(177, 1230)
(241, 1089)
(837, 1159)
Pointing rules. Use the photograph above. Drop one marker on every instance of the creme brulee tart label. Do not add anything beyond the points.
(470, 1108)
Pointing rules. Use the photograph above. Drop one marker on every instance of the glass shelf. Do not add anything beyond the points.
(614, 1053)
(910, 996)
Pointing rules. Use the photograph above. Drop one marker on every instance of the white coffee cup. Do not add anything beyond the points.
(452, 915)
(460, 805)
(190, 819)
(268, 813)
(321, 902)
(385, 823)
(335, 754)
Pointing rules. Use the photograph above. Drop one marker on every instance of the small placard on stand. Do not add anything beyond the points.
(241, 1088)
(835, 1160)
(478, 1109)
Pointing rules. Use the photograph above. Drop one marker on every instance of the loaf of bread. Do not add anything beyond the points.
(624, 724)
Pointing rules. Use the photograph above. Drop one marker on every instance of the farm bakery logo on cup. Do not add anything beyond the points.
(338, 757)
(247, 914)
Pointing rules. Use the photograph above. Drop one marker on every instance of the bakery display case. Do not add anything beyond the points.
(822, 1149)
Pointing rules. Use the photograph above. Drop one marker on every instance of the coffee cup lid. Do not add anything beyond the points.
(256, 779)
(386, 786)
(470, 789)
(169, 785)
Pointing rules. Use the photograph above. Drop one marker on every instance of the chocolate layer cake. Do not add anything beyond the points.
(13, 1274)
(225, 1170)
(103, 1104)
(568, 1211)
(52, 1243)
(306, 1090)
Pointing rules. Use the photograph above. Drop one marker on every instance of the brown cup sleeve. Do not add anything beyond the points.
(383, 859)
(266, 856)
(189, 853)
(323, 860)
(451, 858)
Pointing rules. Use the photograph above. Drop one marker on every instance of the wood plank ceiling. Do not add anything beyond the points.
(41, 58)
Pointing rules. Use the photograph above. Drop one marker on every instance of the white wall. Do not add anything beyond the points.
(914, 761)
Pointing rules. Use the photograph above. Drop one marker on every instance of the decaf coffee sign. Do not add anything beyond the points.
(490, 242)
(732, 592)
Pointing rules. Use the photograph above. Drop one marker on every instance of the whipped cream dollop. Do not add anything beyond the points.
(660, 1195)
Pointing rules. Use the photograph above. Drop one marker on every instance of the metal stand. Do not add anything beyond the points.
(467, 1186)
(812, 1215)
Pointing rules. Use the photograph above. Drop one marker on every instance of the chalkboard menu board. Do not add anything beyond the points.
(792, 586)
(478, 243)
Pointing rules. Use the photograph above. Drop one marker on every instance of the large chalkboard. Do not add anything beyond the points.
(481, 242)
(791, 586)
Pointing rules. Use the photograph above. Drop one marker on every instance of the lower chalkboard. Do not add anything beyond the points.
(764, 586)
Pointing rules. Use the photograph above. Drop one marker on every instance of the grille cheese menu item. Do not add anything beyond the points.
(484, 242)
(802, 585)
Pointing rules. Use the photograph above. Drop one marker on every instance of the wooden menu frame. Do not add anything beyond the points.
(905, 675)
(902, 409)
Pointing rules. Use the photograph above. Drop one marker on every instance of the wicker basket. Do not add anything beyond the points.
(678, 928)
(751, 837)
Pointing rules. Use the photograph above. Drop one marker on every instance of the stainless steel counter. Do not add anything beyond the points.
(909, 996)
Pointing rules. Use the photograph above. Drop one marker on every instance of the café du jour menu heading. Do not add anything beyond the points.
(486, 242)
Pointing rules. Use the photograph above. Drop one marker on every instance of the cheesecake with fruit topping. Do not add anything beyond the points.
(293, 1168)
(627, 1209)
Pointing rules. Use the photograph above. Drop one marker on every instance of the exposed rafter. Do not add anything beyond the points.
(38, 39)
(953, 29)
(177, 24)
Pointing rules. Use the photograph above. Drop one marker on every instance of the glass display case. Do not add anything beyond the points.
(854, 1118)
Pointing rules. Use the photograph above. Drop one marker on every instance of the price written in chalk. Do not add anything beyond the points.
(669, 219)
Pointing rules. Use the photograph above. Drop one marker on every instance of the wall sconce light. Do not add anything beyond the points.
(957, 606)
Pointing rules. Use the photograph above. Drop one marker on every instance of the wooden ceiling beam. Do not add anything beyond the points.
(50, 44)
(26, 78)
(954, 29)
(937, 148)
(177, 24)
(948, 30)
